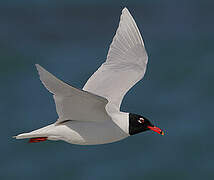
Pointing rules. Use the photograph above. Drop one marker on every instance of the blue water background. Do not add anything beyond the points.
(71, 39)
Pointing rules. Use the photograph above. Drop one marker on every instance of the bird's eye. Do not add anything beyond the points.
(141, 120)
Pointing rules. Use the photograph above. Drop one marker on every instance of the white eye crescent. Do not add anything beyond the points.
(141, 120)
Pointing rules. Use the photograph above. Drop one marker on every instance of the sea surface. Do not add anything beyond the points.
(70, 39)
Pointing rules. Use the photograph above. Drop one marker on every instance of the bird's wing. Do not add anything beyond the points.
(125, 64)
(72, 103)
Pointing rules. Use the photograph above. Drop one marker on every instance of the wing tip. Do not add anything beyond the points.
(42, 72)
(125, 11)
(128, 17)
(38, 67)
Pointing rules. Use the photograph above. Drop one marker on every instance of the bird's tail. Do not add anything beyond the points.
(38, 135)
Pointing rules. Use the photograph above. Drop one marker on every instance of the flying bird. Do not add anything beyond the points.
(92, 115)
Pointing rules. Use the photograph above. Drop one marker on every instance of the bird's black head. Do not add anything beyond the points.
(139, 124)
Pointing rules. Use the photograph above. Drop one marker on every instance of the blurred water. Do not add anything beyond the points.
(71, 39)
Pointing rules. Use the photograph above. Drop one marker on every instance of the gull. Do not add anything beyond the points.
(92, 115)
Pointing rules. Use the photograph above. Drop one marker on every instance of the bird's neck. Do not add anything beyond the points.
(122, 120)
(118, 117)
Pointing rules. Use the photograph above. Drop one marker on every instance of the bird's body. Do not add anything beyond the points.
(82, 133)
(92, 115)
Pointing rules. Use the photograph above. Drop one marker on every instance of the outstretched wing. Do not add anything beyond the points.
(72, 103)
(125, 64)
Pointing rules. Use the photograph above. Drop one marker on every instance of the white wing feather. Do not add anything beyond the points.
(72, 103)
(125, 64)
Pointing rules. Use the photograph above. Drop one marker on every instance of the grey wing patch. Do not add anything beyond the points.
(72, 103)
(125, 64)
(80, 109)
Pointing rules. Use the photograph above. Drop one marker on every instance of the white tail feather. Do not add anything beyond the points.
(42, 132)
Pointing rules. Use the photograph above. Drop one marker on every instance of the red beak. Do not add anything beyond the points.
(156, 129)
